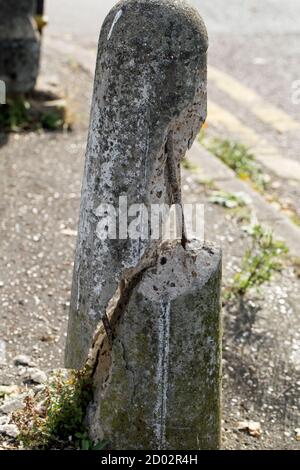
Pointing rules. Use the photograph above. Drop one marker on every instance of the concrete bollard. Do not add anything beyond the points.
(19, 46)
(148, 105)
(158, 386)
(144, 314)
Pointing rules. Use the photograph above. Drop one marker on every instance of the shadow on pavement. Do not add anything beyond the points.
(4, 138)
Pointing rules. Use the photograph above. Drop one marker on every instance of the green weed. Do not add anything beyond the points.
(295, 219)
(55, 418)
(208, 184)
(259, 263)
(20, 114)
(229, 200)
(52, 121)
(14, 115)
(187, 165)
(239, 159)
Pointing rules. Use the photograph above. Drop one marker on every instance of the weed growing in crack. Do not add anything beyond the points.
(259, 263)
(229, 200)
(55, 417)
(237, 157)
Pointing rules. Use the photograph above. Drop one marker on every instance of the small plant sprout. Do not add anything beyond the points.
(260, 261)
(20, 114)
(189, 166)
(239, 159)
(229, 200)
(55, 417)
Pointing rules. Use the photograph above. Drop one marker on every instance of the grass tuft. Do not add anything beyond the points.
(237, 157)
(20, 114)
(259, 263)
(55, 417)
(187, 165)
(229, 200)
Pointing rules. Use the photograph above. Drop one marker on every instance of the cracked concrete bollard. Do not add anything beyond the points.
(144, 315)
(148, 105)
(19, 46)
(158, 387)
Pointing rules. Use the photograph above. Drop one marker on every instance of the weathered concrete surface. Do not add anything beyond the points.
(149, 103)
(158, 386)
(19, 46)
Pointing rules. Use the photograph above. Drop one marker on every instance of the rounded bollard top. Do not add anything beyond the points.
(169, 17)
(159, 44)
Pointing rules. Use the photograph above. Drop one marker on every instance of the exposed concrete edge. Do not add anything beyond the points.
(214, 169)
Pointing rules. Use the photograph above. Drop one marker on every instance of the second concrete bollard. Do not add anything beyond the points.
(19, 46)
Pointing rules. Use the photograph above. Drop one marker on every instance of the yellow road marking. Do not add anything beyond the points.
(264, 110)
(264, 152)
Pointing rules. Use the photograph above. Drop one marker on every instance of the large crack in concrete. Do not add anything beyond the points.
(100, 359)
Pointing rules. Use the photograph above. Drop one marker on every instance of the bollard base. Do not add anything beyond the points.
(158, 386)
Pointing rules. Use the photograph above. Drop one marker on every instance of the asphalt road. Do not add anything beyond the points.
(84, 17)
